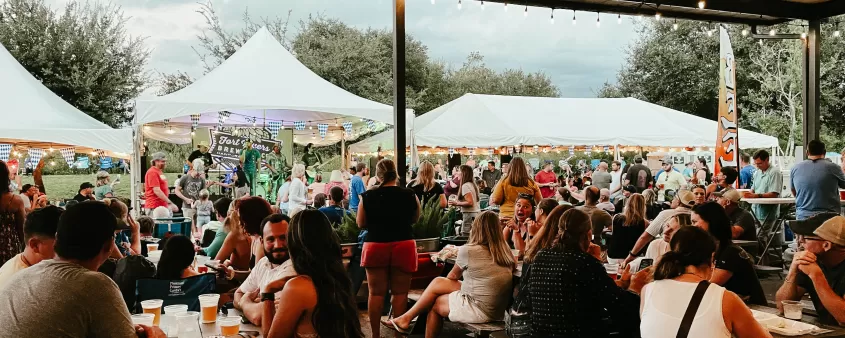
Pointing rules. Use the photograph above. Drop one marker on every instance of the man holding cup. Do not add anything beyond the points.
(67, 296)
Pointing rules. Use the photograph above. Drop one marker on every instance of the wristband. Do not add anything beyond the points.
(271, 296)
(630, 253)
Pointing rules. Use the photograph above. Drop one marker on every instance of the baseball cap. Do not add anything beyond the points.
(730, 194)
(638, 157)
(833, 230)
(806, 227)
(159, 156)
(666, 159)
(83, 230)
(686, 197)
(85, 185)
(631, 189)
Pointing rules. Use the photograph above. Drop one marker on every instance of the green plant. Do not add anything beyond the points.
(348, 229)
(431, 222)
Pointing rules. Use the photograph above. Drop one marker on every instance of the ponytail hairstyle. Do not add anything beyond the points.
(547, 235)
(386, 171)
(691, 246)
(573, 227)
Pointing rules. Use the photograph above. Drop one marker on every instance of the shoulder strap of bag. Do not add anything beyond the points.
(689, 315)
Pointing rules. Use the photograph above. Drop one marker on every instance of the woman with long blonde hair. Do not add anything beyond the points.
(425, 187)
(509, 187)
(468, 199)
(627, 228)
(486, 265)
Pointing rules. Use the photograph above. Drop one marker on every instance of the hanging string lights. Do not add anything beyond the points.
(598, 20)
(619, 19)
(459, 5)
(701, 4)
(573, 18)
(551, 18)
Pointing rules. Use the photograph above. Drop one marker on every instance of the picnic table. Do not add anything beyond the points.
(213, 330)
(809, 319)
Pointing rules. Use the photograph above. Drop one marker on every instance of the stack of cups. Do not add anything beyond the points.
(208, 307)
(153, 306)
(169, 324)
(143, 319)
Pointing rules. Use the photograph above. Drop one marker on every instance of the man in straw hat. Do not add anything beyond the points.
(201, 152)
(820, 268)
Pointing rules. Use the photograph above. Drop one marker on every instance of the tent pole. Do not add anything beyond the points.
(342, 150)
(399, 118)
(135, 168)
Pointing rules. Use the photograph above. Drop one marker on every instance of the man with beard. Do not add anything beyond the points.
(274, 266)
(155, 185)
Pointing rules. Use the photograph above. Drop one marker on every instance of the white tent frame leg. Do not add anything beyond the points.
(135, 169)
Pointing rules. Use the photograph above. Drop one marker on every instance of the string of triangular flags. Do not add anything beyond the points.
(274, 127)
(195, 122)
(299, 125)
(35, 155)
(347, 126)
(68, 154)
(323, 128)
(5, 151)
(221, 118)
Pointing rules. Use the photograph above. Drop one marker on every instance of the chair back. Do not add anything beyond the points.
(177, 291)
(208, 237)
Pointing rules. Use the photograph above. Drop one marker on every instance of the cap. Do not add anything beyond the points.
(666, 159)
(159, 156)
(833, 230)
(806, 227)
(202, 144)
(85, 185)
(730, 194)
(686, 197)
(631, 189)
(84, 228)
(638, 157)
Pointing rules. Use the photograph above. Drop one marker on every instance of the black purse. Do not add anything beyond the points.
(518, 316)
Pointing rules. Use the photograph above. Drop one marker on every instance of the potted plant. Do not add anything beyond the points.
(428, 229)
(348, 231)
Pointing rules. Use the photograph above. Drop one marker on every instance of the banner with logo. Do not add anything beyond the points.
(226, 147)
(727, 145)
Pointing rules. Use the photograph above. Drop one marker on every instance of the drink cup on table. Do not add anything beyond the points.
(153, 306)
(208, 307)
(152, 247)
(792, 309)
(143, 319)
(229, 326)
(168, 318)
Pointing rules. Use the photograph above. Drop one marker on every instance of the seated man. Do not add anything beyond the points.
(742, 222)
(604, 202)
(39, 236)
(86, 193)
(85, 303)
(820, 269)
(275, 265)
(725, 180)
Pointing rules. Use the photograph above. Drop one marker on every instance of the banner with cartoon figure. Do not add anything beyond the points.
(727, 145)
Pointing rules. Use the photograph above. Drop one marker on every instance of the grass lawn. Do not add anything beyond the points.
(66, 186)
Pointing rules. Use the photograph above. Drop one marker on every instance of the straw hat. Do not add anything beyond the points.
(336, 176)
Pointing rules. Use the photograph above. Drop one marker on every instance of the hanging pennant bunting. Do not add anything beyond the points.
(299, 125)
(371, 125)
(588, 150)
(472, 151)
(274, 127)
(100, 153)
(68, 154)
(222, 117)
(323, 128)
(347, 126)
(451, 150)
(571, 150)
(195, 121)
(5, 151)
(35, 155)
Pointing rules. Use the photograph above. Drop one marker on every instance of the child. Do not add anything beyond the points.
(204, 208)
(146, 224)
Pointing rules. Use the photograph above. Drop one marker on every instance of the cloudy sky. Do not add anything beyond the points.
(578, 58)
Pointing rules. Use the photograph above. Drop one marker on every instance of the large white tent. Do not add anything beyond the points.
(475, 120)
(262, 80)
(35, 117)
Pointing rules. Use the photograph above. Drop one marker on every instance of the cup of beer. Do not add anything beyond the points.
(153, 306)
(143, 319)
(208, 307)
(229, 326)
(152, 247)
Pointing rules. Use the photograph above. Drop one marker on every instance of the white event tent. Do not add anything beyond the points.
(483, 121)
(35, 117)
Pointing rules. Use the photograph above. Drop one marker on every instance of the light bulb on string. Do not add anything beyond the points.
(482, 5)
(573, 18)
(459, 4)
(803, 35)
(836, 33)
(772, 32)
(745, 32)
(701, 4)
(193, 133)
(506, 7)
(675, 25)
(598, 20)
(657, 16)
(336, 123)
(760, 42)
(619, 19)
(710, 33)
(525, 12)
(551, 18)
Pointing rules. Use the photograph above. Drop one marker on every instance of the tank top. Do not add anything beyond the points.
(667, 300)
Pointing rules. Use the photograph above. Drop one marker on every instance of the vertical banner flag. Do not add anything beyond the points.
(68, 154)
(347, 126)
(35, 155)
(727, 146)
(323, 128)
(273, 127)
(5, 151)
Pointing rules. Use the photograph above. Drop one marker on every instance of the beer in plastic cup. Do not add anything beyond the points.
(229, 326)
(143, 319)
(152, 247)
(208, 307)
(153, 306)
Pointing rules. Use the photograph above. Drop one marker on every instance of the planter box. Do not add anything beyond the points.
(428, 244)
(348, 249)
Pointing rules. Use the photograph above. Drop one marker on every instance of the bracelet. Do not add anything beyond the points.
(265, 296)
(631, 253)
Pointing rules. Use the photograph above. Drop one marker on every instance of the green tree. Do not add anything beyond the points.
(83, 54)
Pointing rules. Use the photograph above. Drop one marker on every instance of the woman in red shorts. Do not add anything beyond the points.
(390, 253)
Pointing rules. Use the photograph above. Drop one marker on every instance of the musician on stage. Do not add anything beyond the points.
(311, 161)
(201, 152)
(249, 161)
(279, 170)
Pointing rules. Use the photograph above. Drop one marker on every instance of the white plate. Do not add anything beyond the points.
(760, 315)
(787, 327)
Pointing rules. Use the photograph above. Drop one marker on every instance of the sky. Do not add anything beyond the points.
(578, 58)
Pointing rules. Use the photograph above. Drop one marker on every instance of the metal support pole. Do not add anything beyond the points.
(811, 91)
(399, 119)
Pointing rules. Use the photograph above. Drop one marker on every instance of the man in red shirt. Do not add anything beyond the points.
(546, 180)
(155, 185)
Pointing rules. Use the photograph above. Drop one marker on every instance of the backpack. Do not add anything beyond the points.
(129, 270)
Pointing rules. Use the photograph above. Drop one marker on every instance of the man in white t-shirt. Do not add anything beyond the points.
(616, 181)
(275, 265)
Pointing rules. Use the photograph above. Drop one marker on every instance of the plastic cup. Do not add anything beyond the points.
(208, 307)
(168, 318)
(153, 306)
(152, 247)
(612, 270)
(515, 254)
(792, 309)
(229, 326)
(143, 319)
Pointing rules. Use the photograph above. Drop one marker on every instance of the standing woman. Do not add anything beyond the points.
(425, 187)
(12, 216)
(389, 255)
(702, 173)
(297, 192)
(627, 228)
(467, 199)
(511, 186)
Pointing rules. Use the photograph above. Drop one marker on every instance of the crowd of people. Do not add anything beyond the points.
(670, 237)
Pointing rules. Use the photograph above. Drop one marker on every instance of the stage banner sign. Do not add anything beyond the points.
(727, 141)
(226, 147)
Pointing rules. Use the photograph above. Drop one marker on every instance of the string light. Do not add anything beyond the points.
(710, 33)
(760, 42)
(336, 123)
(310, 125)
(657, 16)
(619, 19)
(192, 133)
(459, 5)
(506, 7)
(525, 13)
(701, 4)
(772, 32)
(836, 33)
(744, 32)
(551, 19)
(482, 5)
(803, 35)
(573, 18)
(598, 20)
(675, 25)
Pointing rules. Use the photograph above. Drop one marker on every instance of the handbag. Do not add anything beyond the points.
(689, 315)
(518, 316)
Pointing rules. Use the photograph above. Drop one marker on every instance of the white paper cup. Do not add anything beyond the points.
(143, 319)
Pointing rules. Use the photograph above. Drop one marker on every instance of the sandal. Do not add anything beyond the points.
(389, 322)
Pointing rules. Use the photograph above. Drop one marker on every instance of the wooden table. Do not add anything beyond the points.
(837, 331)
(211, 330)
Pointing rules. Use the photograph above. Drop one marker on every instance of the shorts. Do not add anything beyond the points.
(463, 310)
(189, 213)
(401, 255)
(468, 219)
(202, 220)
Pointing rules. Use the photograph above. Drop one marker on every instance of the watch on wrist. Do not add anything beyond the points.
(271, 296)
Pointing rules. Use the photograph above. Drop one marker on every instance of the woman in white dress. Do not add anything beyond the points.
(297, 192)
